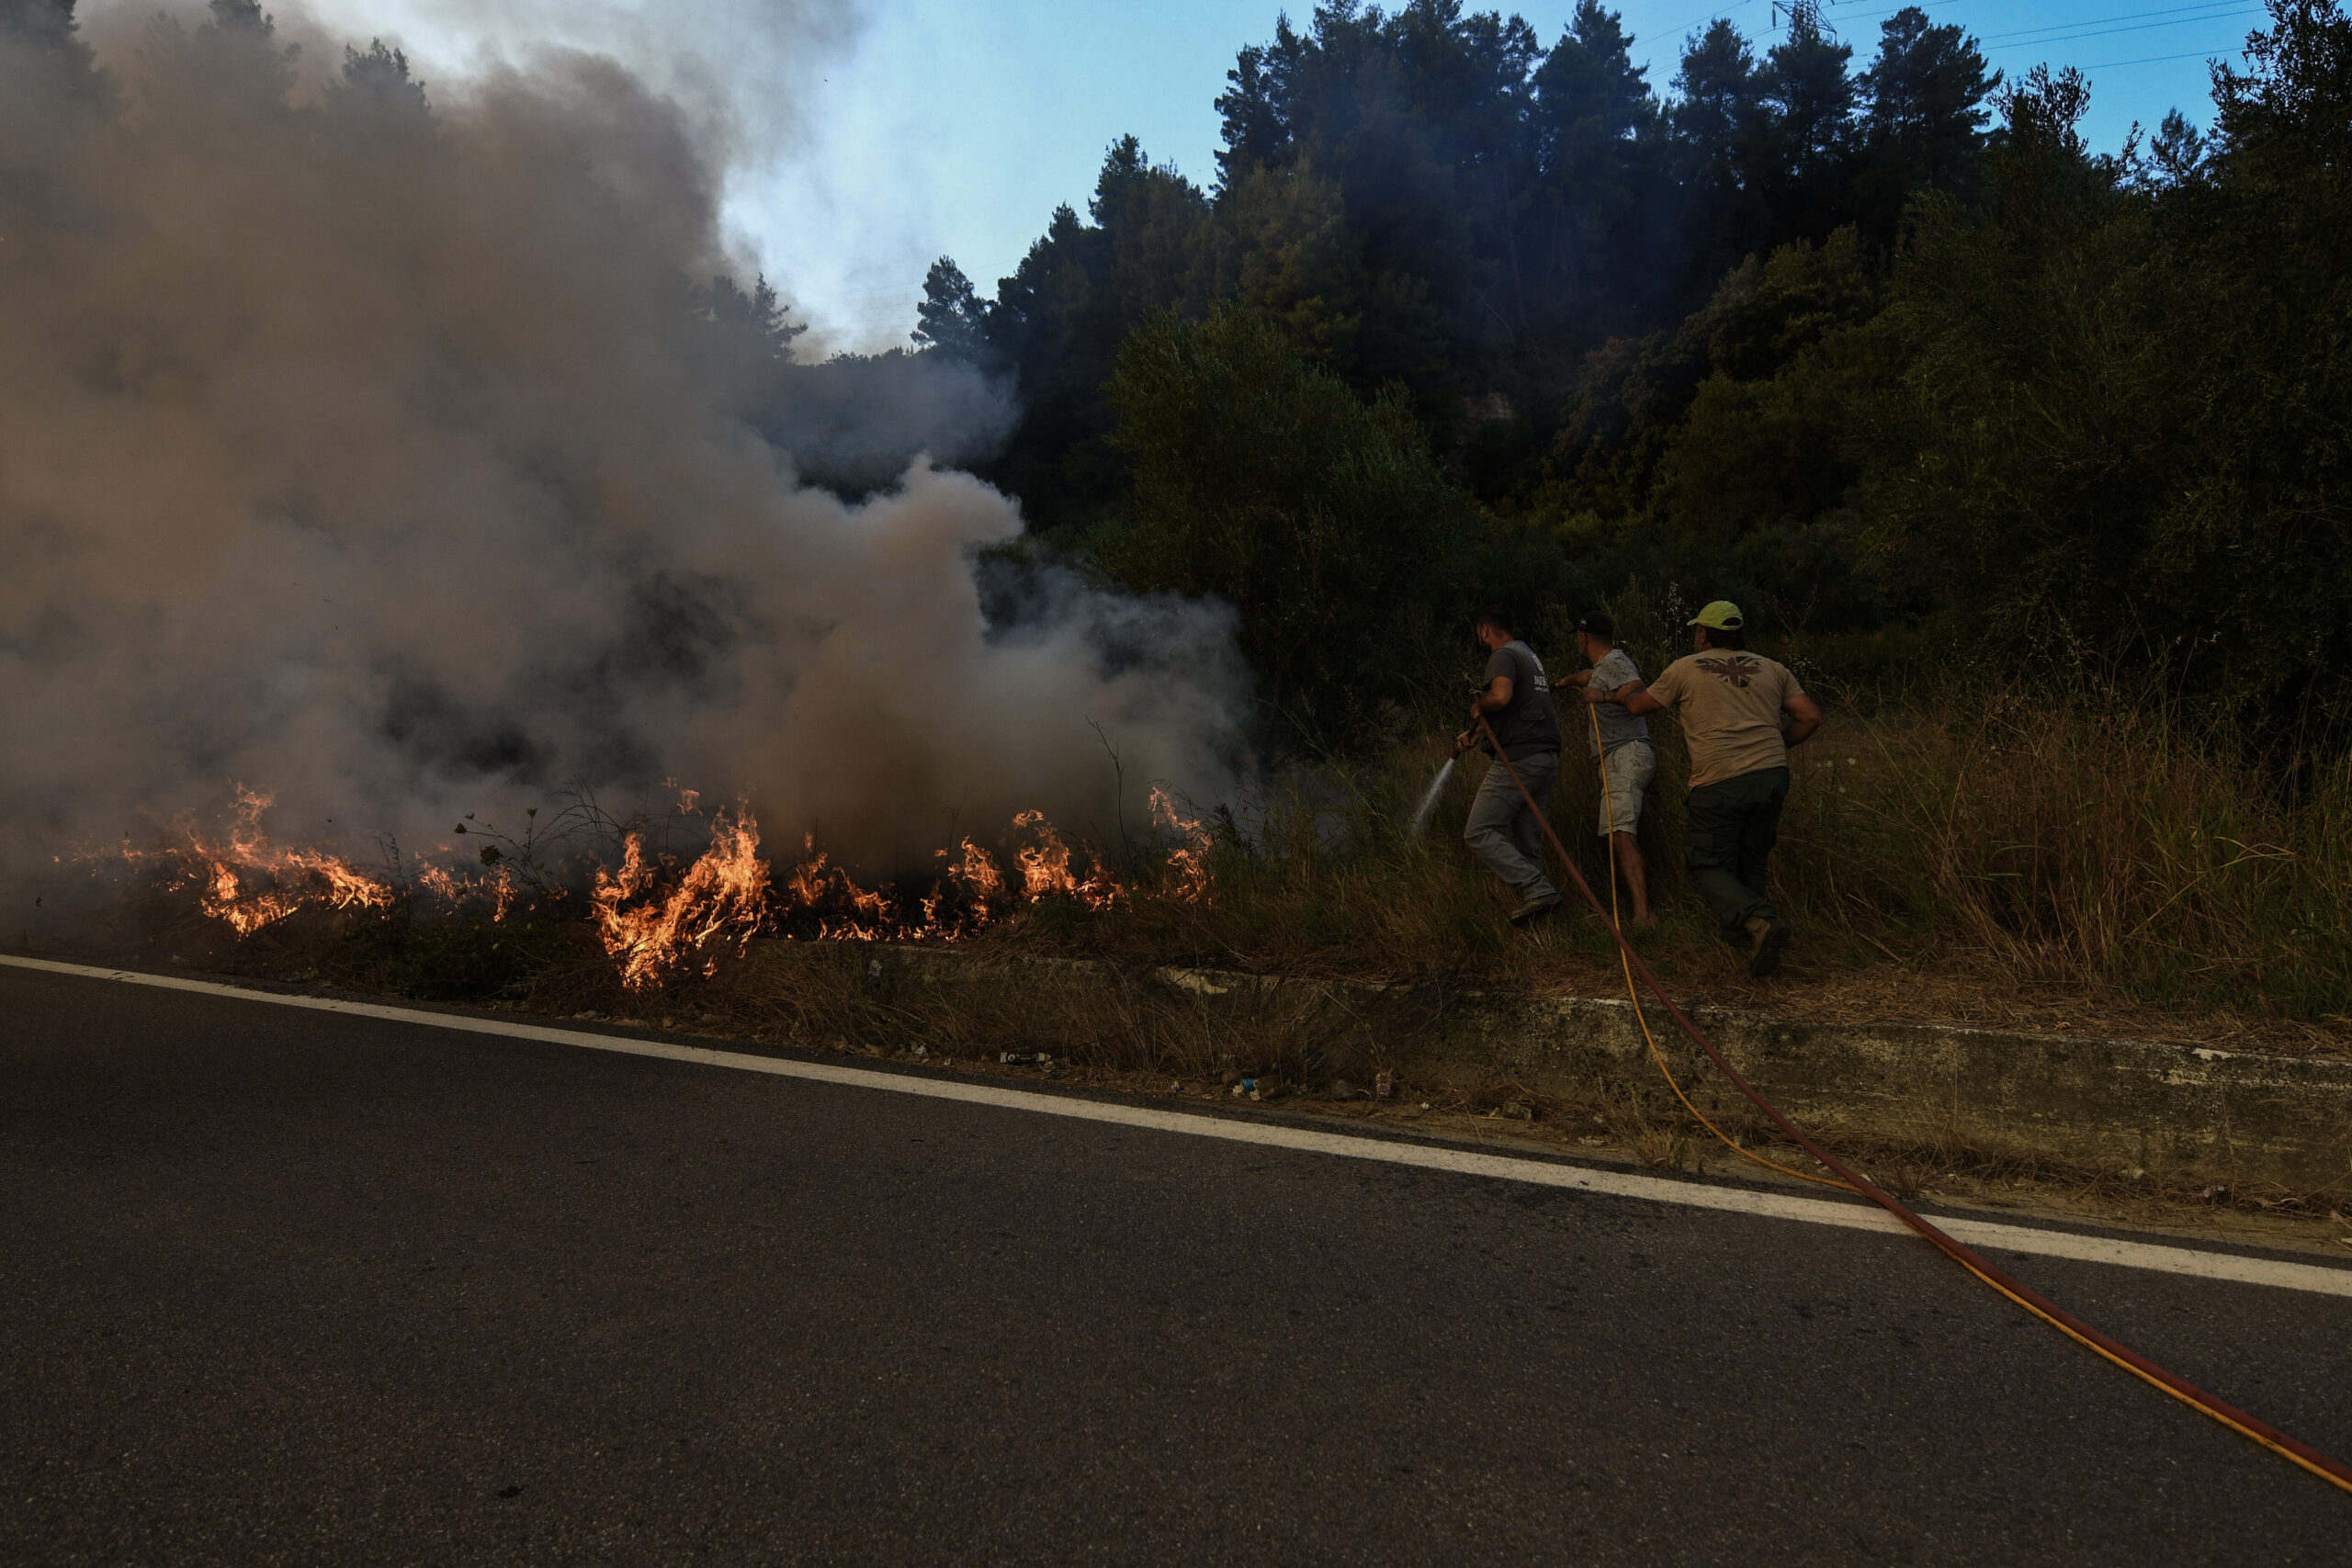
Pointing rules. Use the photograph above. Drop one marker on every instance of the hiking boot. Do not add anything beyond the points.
(1768, 938)
(1534, 909)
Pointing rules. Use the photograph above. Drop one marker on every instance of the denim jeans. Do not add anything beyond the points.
(1504, 833)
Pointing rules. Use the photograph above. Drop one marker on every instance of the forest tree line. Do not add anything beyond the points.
(1875, 343)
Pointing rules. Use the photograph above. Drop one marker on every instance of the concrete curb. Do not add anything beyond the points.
(2174, 1112)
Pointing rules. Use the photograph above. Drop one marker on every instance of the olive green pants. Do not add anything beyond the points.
(1728, 832)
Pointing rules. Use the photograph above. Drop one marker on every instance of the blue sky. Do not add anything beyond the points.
(996, 112)
(871, 137)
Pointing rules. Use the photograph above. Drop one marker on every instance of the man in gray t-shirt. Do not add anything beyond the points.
(1516, 703)
(1620, 743)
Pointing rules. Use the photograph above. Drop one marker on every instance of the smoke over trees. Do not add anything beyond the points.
(402, 453)
(1860, 336)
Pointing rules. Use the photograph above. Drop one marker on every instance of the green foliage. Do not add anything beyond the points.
(1603, 216)
(950, 320)
(1994, 846)
(1436, 213)
(1264, 480)
(2121, 433)
(1717, 454)
(1925, 122)
(1428, 198)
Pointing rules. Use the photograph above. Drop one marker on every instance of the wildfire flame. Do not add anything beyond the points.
(249, 883)
(660, 918)
(1044, 868)
(1190, 859)
(982, 885)
(844, 911)
(724, 892)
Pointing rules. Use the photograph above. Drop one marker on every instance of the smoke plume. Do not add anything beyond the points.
(392, 458)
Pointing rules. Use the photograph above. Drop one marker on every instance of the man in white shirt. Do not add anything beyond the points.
(1621, 744)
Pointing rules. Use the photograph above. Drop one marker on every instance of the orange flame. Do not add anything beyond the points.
(982, 885)
(723, 893)
(1190, 860)
(657, 921)
(826, 890)
(1044, 868)
(250, 882)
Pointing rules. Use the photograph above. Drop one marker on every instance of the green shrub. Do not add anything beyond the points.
(1266, 481)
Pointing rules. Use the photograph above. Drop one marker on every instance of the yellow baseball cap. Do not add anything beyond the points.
(1722, 616)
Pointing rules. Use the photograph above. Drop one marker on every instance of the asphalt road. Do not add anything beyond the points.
(287, 1287)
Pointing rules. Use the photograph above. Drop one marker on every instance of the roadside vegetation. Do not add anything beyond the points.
(2083, 859)
(2092, 860)
(2030, 455)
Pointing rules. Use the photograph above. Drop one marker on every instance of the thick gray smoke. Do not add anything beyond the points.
(390, 459)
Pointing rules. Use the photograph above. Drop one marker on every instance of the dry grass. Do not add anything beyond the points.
(2085, 865)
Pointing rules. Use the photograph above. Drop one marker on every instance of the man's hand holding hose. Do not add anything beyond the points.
(1492, 698)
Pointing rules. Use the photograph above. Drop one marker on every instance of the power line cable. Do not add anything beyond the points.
(2132, 16)
(2029, 37)
(2156, 59)
(1716, 15)
(2137, 28)
(2076, 21)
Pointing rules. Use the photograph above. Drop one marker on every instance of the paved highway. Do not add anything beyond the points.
(282, 1286)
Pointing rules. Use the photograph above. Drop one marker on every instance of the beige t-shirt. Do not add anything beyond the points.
(1729, 704)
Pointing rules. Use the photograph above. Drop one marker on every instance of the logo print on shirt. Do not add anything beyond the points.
(1738, 668)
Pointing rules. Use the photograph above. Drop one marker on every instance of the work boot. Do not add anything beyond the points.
(1766, 938)
(1534, 909)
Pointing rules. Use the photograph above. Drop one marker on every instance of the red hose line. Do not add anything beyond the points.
(2269, 1437)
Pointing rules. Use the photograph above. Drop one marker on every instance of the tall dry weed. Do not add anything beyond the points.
(2088, 839)
(2094, 840)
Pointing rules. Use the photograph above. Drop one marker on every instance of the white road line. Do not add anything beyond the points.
(2318, 1279)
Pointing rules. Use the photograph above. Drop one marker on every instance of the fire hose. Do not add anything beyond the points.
(2023, 1296)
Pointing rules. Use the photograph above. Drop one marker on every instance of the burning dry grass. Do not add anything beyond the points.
(2087, 864)
(654, 926)
(243, 879)
(661, 914)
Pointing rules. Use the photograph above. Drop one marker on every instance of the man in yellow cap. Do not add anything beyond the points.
(1740, 712)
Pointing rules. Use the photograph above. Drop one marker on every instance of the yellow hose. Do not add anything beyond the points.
(1633, 993)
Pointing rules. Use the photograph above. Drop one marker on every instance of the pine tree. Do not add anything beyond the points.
(44, 65)
(376, 85)
(1599, 131)
(952, 322)
(1255, 108)
(1925, 97)
(1807, 172)
(1720, 131)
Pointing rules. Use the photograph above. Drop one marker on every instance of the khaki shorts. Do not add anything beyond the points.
(1628, 770)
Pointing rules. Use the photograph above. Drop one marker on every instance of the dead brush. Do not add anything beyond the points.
(2012, 861)
(1665, 1147)
(2097, 859)
(1653, 1126)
